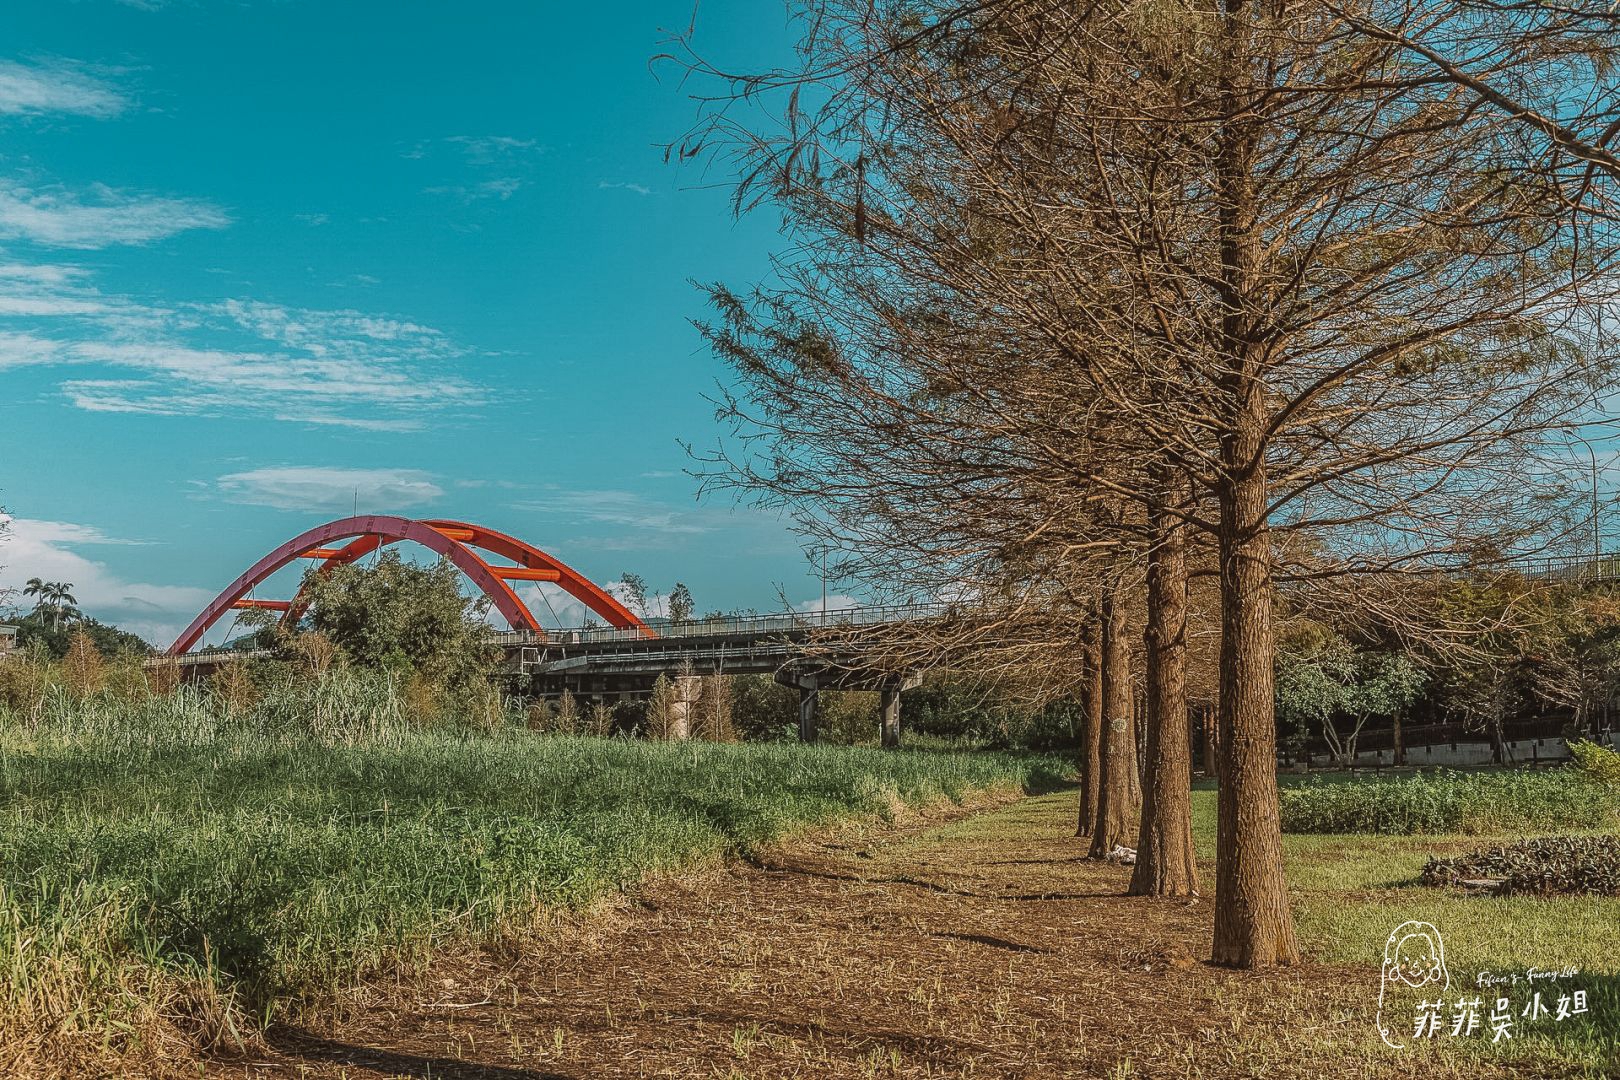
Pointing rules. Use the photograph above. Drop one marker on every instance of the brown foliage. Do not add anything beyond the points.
(233, 687)
(84, 672)
(1108, 252)
(713, 709)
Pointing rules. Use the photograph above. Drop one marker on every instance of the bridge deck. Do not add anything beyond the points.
(738, 644)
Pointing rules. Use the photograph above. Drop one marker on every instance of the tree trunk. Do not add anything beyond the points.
(1253, 924)
(1091, 707)
(1398, 755)
(1112, 826)
(1138, 753)
(684, 690)
(1165, 863)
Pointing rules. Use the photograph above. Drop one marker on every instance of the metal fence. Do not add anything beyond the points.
(747, 625)
(1577, 568)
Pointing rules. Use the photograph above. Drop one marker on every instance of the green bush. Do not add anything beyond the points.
(1599, 763)
(1451, 802)
(1543, 866)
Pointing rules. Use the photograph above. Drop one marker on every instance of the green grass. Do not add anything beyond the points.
(167, 853)
(1351, 890)
(1557, 799)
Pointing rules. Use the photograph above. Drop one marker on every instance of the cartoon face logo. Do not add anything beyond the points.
(1417, 957)
(1414, 956)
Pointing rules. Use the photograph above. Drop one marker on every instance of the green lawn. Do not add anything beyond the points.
(1351, 890)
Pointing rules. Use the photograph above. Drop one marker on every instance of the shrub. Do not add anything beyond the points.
(1598, 763)
(396, 615)
(1544, 866)
(1450, 802)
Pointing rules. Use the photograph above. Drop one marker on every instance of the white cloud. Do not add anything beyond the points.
(353, 423)
(46, 549)
(343, 368)
(489, 144)
(62, 219)
(50, 306)
(481, 148)
(42, 274)
(296, 487)
(500, 165)
(556, 609)
(328, 332)
(836, 602)
(639, 189)
(500, 188)
(621, 509)
(29, 90)
(25, 350)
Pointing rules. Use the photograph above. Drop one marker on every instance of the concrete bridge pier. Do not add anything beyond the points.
(809, 710)
(889, 713)
(685, 690)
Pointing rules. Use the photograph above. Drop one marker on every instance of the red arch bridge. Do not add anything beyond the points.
(594, 663)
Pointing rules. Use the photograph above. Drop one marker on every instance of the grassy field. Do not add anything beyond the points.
(169, 877)
(175, 873)
(986, 946)
(1351, 890)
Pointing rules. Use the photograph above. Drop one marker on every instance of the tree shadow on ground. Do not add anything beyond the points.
(919, 883)
(994, 942)
(300, 1045)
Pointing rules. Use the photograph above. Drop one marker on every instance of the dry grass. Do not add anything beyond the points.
(75, 1001)
(986, 947)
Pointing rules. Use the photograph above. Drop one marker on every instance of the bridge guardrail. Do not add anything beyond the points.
(752, 625)
(775, 622)
(1570, 567)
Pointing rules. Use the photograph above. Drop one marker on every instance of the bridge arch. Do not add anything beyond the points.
(457, 541)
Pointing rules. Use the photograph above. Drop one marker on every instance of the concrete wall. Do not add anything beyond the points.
(1520, 752)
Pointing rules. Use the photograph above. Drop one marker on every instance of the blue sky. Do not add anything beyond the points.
(257, 255)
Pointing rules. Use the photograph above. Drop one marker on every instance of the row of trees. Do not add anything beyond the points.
(1114, 319)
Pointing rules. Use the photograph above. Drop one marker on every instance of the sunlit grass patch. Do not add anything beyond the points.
(1350, 890)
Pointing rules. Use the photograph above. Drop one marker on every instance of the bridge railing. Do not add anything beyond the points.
(750, 625)
(1591, 568)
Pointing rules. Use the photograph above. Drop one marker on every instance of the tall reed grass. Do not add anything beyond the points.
(173, 864)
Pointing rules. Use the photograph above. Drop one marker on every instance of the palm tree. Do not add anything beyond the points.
(55, 597)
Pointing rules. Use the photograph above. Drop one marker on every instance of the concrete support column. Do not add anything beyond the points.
(684, 691)
(889, 713)
(809, 712)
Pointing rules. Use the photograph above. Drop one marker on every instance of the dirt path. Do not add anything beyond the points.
(984, 947)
